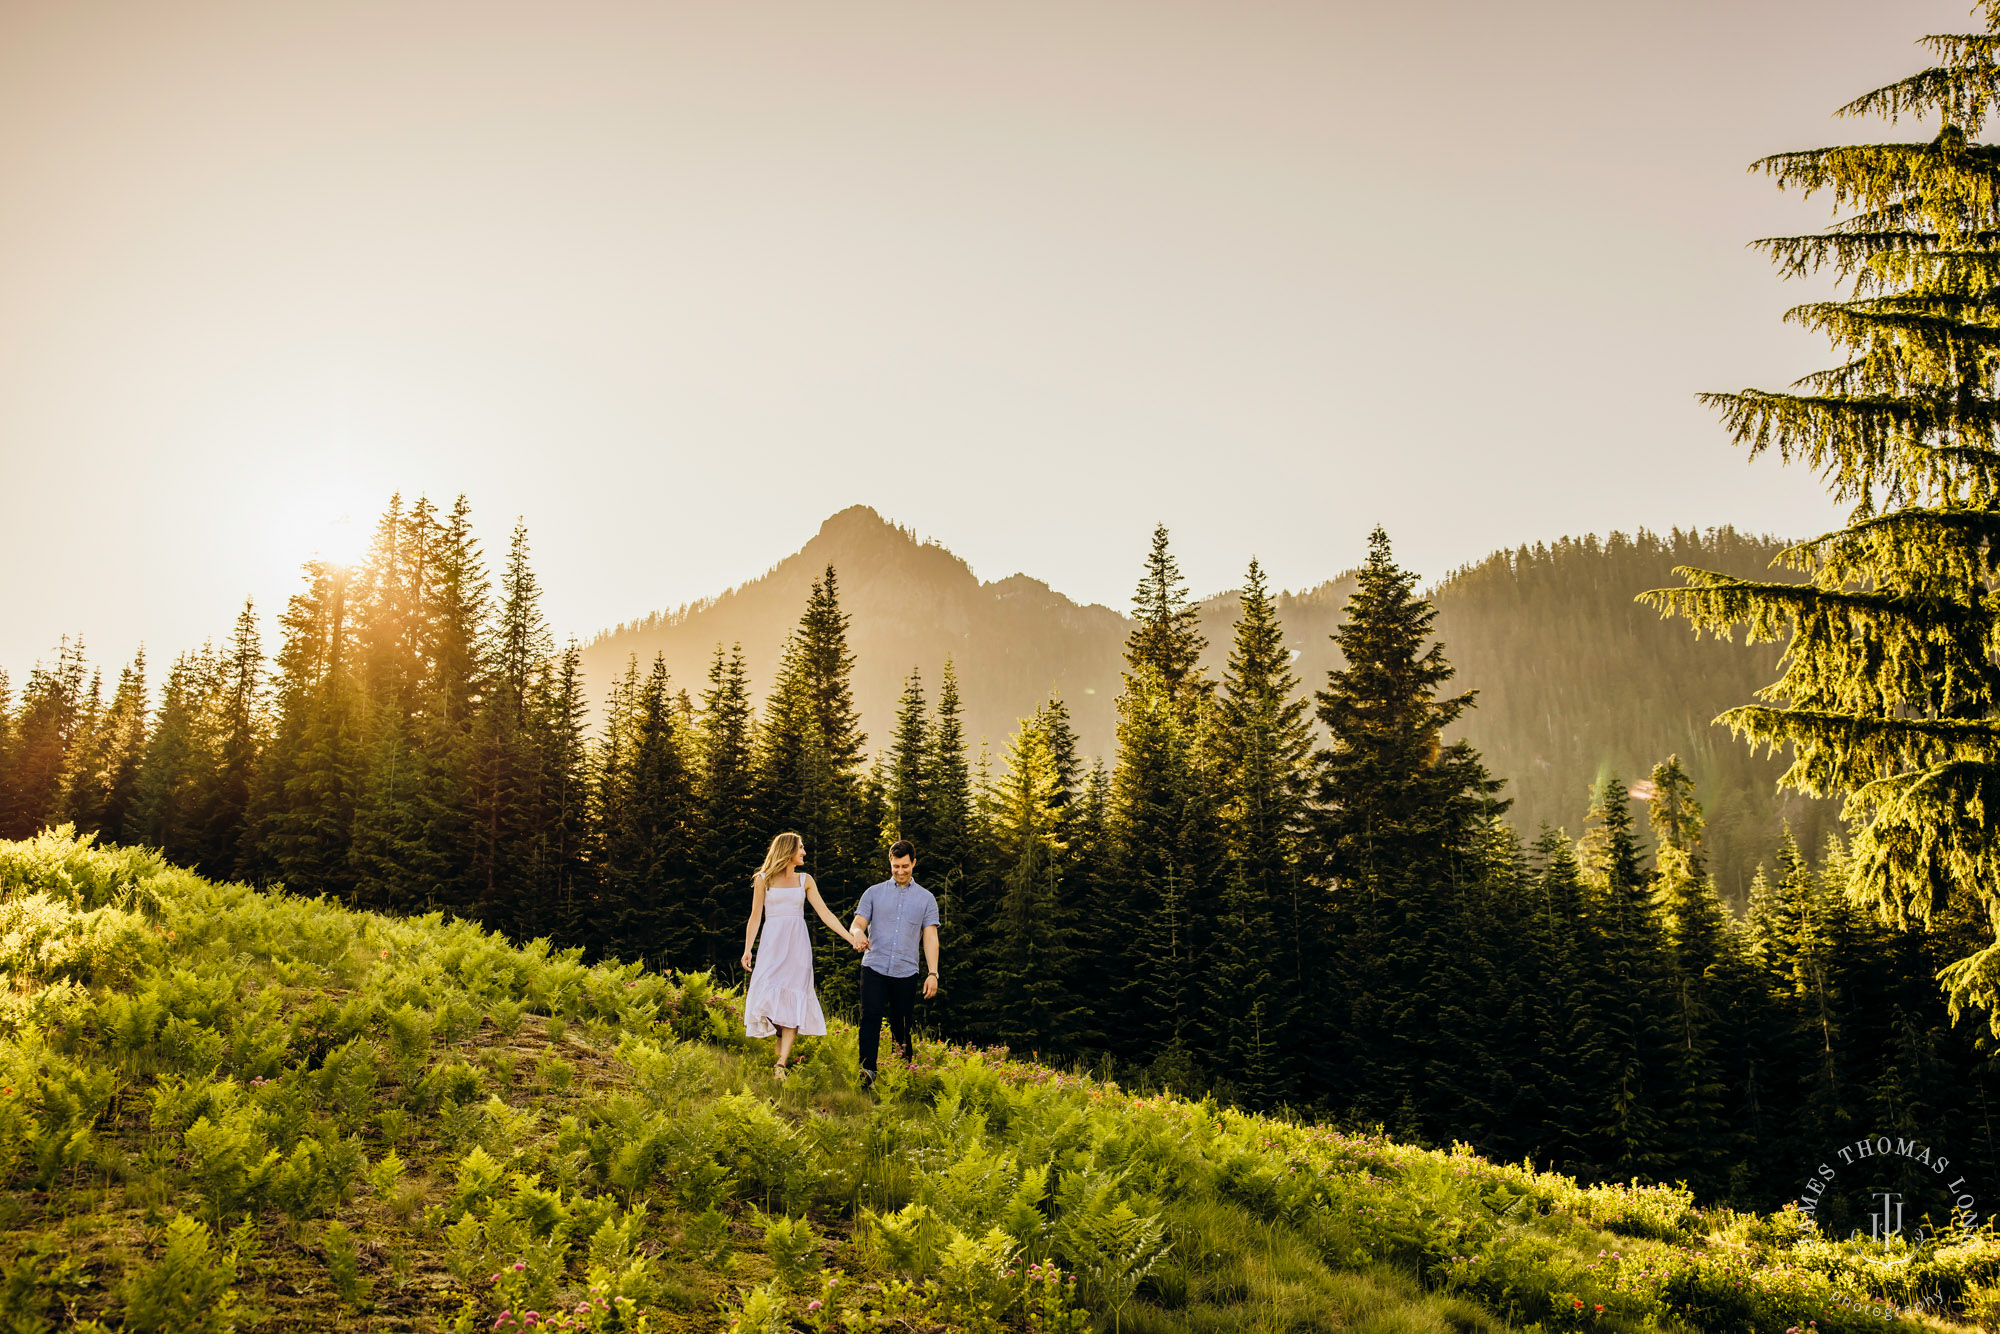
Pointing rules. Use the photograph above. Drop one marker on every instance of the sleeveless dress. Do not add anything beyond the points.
(781, 985)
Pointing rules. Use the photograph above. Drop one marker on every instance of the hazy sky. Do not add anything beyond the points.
(674, 282)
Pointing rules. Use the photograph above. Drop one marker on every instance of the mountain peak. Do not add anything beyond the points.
(854, 520)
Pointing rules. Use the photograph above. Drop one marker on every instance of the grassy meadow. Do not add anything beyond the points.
(225, 1108)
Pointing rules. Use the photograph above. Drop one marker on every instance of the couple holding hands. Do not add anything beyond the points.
(892, 920)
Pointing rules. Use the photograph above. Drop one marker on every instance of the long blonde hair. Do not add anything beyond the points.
(779, 859)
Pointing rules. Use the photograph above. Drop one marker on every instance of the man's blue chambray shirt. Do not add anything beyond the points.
(897, 916)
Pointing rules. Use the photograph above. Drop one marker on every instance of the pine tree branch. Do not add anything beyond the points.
(1957, 90)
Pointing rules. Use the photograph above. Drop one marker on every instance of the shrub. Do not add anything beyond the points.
(793, 1248)
(343, 1266)
(33, 1283)
(189, 1291)
(479, 1175)
(233, 1164)
(707, 1239)
(1111, 1245)
(761, 1311)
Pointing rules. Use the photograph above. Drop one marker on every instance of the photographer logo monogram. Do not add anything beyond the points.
(1883, 1173)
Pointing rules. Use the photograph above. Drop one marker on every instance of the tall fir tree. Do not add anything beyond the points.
(908, 780)
(396, 588)
(565, 809)
(1398, 816)
(648, 803)
(241, 726)
(1164, 804)
(1556, 934)
(1632, 1058)
(45, 728)
(1262, 741)
(457, 649)
(506, 754)
(103, 792)
(1703, 1138)
(809, 775)
(1026, 966)
(1890, 689)
(176, 776)
(303, 798)
(731, 841)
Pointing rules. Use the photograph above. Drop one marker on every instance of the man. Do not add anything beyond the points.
(890, 920)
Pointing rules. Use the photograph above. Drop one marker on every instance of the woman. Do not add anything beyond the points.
(781, 999)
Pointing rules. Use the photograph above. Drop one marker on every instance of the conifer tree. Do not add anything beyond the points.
(1262, 741)
(456, 650)
(1164, 803)
(809, 778)
(1027, 966)
(907, 783)
(1702, 1139)
(303, 797)
(730, 840)
(506, 772)
(175, 792)
(1562, 1022)
(948, 814)
(240, 735)
(103, 791)
(1890, 693)
(45, 728)
(564, 875)
(1632, 1057)
(1397, 816)
(395, 590)
(648, 836)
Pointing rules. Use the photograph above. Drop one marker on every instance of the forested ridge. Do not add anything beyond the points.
(1289, 892)
(1575, 679)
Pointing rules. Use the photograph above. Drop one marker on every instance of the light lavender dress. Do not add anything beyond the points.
(781, 985)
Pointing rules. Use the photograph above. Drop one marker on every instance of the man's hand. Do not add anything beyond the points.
(930, 987)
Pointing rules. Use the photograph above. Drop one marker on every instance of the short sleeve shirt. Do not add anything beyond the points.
(897, 916)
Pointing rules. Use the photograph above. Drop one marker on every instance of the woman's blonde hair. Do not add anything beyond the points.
(779, 859)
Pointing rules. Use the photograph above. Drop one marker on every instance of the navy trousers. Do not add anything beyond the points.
(895, 997)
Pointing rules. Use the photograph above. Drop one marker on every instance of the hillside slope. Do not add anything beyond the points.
(1575, 679)
(226, 1109)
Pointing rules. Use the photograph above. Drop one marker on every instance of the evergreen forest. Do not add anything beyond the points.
(1285, 893)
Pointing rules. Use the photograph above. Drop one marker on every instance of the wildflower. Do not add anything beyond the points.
(813, 1305)
(1599, 1308)
(520, 1266)
(1579, 1302)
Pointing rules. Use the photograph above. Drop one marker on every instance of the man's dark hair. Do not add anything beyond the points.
(902, 847)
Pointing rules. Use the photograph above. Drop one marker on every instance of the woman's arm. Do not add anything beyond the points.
(756, 917)
(819, 906)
